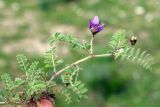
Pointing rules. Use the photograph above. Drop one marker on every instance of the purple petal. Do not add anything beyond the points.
(96, 20)
(100, 27)
(91, 24)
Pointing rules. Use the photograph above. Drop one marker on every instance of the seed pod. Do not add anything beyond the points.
(133, 40)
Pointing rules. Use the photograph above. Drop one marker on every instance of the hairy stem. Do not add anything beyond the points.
(77, 62)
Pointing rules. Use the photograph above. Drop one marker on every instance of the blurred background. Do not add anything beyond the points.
(25, 26)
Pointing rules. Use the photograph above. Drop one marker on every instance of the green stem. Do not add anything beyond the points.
(77, 71)
(77, 62)
(91, 45)
(53, 63)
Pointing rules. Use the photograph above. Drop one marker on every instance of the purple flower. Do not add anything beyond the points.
(95, 25)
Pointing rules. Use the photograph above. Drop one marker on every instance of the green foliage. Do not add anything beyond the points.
(120, 48)
(51, 59)
(32, 71)
(79, 89)
(8, 83)
(75, 90)
(118, 40)
(135, 55)
(70, 39)
(35, 81)
(68, 96)
(23, 62)
(10, 88)
(117, 13)
(118, 43)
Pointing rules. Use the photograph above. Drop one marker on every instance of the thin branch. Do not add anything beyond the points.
(102, 55)
(91, 51)
(3, 103)
(77, 62)
(77, 70)
(6, 103)
(62, 70)
(53, 63)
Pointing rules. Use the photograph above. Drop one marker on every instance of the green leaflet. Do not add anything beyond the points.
(50, 58)
(70, 39)
(10, 88)
(135, 55)
(120, 48)
(35, 78)
(75, 90)
(68, 96)
(118, 40)
(23, 62)
(118, 43)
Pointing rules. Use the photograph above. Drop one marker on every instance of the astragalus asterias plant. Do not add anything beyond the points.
(36, 90)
